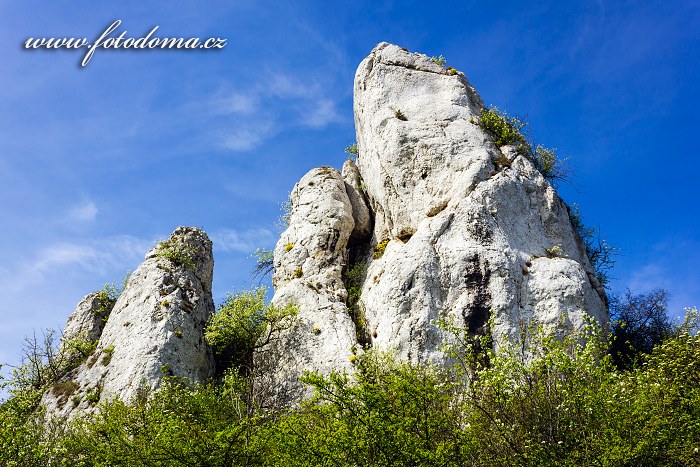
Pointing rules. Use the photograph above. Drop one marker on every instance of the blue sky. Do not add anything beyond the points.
(98, 163)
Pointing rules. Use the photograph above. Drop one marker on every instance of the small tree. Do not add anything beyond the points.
(243, 324)
(638, 323)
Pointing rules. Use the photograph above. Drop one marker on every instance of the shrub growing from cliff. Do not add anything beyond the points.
(509, 130)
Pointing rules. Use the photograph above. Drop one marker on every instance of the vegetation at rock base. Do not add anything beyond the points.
(638, 323)
(244, 323)
(561, 403)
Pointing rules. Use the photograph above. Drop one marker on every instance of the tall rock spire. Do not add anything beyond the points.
(155, 328)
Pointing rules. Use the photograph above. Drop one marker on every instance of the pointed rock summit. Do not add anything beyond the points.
(155, 328)
(429, 225)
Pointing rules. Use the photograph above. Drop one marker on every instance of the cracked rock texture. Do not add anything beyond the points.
(309, 260)
(155, 328)
(466, 235)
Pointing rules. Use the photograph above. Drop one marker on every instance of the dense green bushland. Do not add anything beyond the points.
(560, 403)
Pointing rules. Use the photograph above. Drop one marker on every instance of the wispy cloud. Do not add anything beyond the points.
(241, 241)
(96, 256)
(84, 212)
(246, 136)
(322, 114)
(235, 103)
(248, 118)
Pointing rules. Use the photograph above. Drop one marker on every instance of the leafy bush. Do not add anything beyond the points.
(177, 252)
(541, 399)
(439, 60)
(352, 152)
(508, 130)
(353, 284)
(244, 323)
(504, 129)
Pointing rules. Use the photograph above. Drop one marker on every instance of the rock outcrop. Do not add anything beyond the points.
(434, 223)
(309, 260)
(155, 328)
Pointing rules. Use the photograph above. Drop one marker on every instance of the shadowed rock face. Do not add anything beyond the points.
(465, 238)
(155, 328)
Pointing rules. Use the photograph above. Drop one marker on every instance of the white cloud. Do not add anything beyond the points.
(322, 114)
(247, 118)
(95, 256)
(85, 212)
(235, 103)
(285, 87)
(246, 241)
(247, 136)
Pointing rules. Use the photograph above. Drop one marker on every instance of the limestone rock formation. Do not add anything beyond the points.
(440, 227)
(309, 261)
(87, 320)
(433, 222)
(154, 329)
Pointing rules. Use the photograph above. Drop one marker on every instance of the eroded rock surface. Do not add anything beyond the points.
(155, 328)
(310, 258)
(462, 230)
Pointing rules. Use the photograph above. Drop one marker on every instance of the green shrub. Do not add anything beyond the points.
(504, 129)
(353, 284)
(244, 323)
(352, 152)
(439, 60)
(638, 323)
(108, 296)
(177, 252)
(508, 130)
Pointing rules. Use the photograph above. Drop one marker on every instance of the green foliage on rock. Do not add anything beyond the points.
(177, 252)
(507, 130)
(352, 152)
(265, 263)
(600, 254)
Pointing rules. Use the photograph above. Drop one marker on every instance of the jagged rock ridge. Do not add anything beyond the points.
(444, 228)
